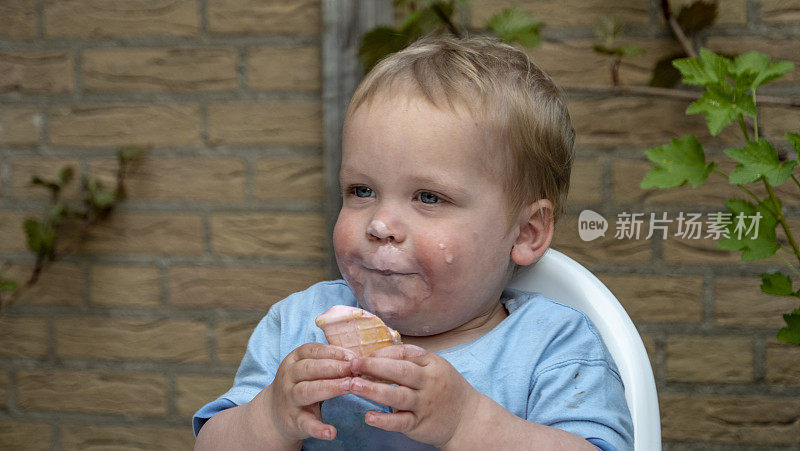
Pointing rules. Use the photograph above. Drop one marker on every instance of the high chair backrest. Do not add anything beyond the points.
(564, 280)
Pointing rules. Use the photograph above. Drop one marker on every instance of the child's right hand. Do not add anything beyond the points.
(310, 374)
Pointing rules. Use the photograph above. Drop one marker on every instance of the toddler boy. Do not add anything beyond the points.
(456, 157)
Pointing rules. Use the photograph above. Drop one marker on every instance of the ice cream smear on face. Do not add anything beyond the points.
(448, 256)
(356, 329)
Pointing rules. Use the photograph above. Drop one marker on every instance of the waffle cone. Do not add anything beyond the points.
(356, 329)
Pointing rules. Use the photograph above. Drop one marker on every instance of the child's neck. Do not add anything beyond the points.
(466, 332)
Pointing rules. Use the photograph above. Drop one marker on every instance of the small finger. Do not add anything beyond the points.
(305, 393)
(313, 369)
(311, 425)
(398, 421)
(396, 396)
(401, 372)
(411, 353)
(323, 351)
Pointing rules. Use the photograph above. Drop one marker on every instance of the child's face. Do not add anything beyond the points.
(422, 237)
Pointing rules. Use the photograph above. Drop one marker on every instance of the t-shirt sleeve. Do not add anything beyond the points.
(585, 397)
(257, 370)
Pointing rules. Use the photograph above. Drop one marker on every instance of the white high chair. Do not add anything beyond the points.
(564, 280)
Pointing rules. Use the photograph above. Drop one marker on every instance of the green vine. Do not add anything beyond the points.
(43, 233)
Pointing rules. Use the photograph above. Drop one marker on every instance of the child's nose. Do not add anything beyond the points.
(377, 229)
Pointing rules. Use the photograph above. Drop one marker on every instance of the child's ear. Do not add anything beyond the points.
(535, 232)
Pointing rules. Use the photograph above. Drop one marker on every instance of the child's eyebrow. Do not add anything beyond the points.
(440, 184)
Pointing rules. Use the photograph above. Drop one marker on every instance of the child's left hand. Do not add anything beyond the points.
(431, 401)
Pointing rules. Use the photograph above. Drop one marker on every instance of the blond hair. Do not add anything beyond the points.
(521, 108)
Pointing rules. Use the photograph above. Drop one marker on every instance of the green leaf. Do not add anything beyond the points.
(759, 159)
(794, 140)
(791, 333)
(515, 25)
(425, 19)
(708, 69)
(8, 286)
(379, 43)
(608, 29)
(65, 175)
(722, 105)
(680, 161)
(778, 284)
(697, 16)
(753, 69)
(40, 237)
(665, 75)
(765, 242)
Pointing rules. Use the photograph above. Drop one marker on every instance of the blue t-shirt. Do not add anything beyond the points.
(544, 363)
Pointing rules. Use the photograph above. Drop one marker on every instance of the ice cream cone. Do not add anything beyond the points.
(356, 329)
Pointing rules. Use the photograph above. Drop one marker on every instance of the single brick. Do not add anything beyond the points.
(194, 391)
(58, 283)
(36, 71)
(125, 286)
(552, 12)
(119, 125)
(20, 125)
(19, 19)
(120, 18)
(738, 301)
(232, 337)
(742, 419)
(24, 435)
(586, 182)
(255, 16)
(147, 233)
(290, 179)
(658, 298)
(782, 361)
(270, 123)
(130, 339)
(288, 68)
(173, 69)
(637, 122)
(23, 337)
(780, 11)
(24, 169)
(91, 392)
(709, 359)
(605, 249)
(178, 178)
(254, 288)
(95, 436)
(292, 235)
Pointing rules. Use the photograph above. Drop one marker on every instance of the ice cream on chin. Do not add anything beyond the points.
(356, 329)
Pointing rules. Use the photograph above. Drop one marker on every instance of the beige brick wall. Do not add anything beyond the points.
(121, 342)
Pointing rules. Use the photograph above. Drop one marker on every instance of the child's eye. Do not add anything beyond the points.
(428, 198)
(362, 191)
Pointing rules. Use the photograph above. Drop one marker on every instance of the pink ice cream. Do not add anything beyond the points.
(356, 329)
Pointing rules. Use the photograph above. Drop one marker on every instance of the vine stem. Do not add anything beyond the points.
(740, 186)
(796, 181)
(782, 219)
(744, 128)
